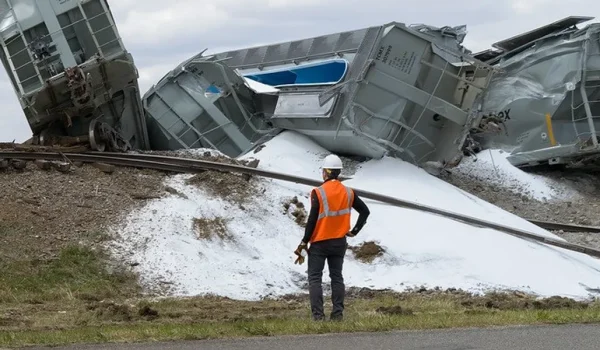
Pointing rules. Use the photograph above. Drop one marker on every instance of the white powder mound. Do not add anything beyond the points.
(492, 166)
(255, 257)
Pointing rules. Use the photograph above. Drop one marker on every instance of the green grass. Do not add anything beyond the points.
(74, 299)
(77, 273)
(146, 331)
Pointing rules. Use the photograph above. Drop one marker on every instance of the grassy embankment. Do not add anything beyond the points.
(73, 299)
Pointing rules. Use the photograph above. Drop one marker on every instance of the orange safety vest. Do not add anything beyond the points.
(335, 205)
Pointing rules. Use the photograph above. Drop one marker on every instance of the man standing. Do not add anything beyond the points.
(326, 230)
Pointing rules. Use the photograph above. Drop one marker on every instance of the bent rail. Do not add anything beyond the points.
(186, 165)
(556, 226)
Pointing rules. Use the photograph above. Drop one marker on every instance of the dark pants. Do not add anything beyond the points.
(333, 251)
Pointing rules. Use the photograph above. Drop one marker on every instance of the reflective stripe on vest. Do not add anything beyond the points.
(326, 211)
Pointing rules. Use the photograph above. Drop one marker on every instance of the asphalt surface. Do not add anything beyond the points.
(578, 337)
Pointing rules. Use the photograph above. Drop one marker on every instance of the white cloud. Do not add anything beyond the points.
(13, 124)
(528, 6)
(161, 34)
(291, 3)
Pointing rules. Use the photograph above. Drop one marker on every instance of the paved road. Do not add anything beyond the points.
(580, 337)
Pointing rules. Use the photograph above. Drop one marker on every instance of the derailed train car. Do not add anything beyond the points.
(384, 90)
(76, 82)
(546, 95)
(203, 103)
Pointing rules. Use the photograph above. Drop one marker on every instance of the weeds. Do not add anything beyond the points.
(77, 273)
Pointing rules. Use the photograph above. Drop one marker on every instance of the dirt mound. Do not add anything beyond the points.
(111, 311)
(211, 228)
(42, 211)
(209, 155)
(147, 312)
(14, 319)
(296, 209)
(232, 186)
(194, 154)
(119, 312)
(229, 186)
(367, 252)
(516, 301)
(506, 300)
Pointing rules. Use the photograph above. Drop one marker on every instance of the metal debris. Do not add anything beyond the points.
(546, 95)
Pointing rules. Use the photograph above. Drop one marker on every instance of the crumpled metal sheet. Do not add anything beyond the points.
(450, 34)
(539, 79)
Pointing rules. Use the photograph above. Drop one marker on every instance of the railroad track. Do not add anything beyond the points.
(555, 226)
(186, 165)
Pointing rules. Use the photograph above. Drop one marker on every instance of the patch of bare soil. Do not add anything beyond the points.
(518, 302)
(367, 251)
(42, 211)
(235, 187)
(296, 209)
(185, 310)
(111, 311)
(174, 191)
(148, 312)
(229, 186)
(212, 156)
(14, 319)
(211, 228)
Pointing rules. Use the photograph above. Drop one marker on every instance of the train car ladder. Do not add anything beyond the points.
(586, 92)
(93, 33)
(26, 45)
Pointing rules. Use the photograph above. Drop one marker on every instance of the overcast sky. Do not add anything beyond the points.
(161, 34)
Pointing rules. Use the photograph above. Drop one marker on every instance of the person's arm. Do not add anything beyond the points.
(363, 214)
(311, 222)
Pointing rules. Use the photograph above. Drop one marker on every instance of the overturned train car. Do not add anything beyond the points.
(75, 80)
(393, 89)
(545, 99)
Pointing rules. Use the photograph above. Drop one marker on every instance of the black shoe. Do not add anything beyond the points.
(337, 318)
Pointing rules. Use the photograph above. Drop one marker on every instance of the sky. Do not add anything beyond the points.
(160, 36)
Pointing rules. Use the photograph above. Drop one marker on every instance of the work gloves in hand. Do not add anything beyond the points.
(301, 252)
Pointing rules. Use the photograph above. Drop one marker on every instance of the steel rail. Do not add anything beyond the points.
(556, 226)
(185, 165)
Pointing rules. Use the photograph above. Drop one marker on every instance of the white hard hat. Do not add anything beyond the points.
(332, 162)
